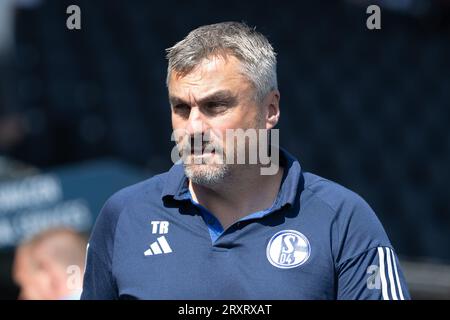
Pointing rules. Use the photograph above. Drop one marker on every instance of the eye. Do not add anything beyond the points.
(182, 109)
(216, 104)
(213, 107)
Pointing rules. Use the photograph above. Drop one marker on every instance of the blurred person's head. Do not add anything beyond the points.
(50, 265)
(31, 281)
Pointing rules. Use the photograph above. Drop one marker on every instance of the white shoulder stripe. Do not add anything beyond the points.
(390, 274)
(382, 274)
(399, 286)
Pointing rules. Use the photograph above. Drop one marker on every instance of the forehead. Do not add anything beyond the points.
(212, 74)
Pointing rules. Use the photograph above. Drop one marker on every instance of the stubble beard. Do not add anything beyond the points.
(207, 175)
(211, 171)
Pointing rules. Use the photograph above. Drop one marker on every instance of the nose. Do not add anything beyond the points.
(196, 123)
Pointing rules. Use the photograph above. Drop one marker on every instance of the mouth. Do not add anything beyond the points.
(203, 156)
(202, 151)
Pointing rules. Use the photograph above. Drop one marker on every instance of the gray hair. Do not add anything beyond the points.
(250, 47)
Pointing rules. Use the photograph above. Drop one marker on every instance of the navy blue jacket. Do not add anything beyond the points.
(318, 240)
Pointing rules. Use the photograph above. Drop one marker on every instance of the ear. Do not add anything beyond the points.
(272, 103)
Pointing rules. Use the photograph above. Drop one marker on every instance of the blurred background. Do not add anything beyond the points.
(84, 113)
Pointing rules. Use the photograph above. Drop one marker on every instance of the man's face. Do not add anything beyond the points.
(206, 102)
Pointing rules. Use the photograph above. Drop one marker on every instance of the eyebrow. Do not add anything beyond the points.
(224, 96)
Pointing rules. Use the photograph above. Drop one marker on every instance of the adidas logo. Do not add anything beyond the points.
(158, 247)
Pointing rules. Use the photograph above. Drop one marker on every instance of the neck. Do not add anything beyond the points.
(243, 192)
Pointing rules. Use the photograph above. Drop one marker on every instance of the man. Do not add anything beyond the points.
(50, 266)
(213, 228)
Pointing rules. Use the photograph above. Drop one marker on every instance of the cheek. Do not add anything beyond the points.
(247, 116)
(218, 130)
(178, 129)
(175, 121)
